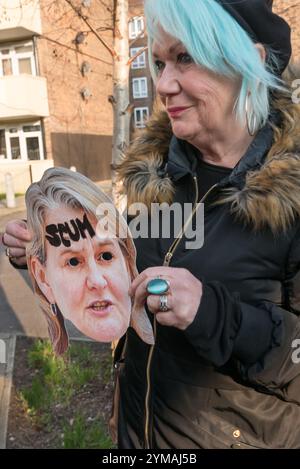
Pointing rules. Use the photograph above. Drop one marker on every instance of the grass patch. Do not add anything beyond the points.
(82, 434)
(58, 378)
(106, 369)
(56, 382)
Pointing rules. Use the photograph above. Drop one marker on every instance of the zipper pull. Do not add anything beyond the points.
(168, 258)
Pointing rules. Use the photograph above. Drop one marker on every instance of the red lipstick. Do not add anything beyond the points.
(177, 111)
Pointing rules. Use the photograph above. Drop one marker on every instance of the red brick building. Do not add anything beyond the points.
(55, 84)
(141, 87)
(290, 10)
(78, 67)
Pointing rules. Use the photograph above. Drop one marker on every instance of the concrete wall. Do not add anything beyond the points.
(23, 173)
(23, 96)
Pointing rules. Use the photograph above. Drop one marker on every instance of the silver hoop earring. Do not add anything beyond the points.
(53, 309)
(251, 126)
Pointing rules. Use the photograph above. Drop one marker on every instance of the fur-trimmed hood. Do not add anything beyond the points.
(262, 193)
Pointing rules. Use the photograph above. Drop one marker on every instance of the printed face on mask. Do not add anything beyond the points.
(85, 276)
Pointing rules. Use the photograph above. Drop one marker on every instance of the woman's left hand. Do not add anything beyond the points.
(183, 297)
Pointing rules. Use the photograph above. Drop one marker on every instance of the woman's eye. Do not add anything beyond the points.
(73, 262)
(106, 256)
(158, 65)
(184, 58)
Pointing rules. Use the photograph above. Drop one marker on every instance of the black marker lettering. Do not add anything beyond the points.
(75, 235)
(85, 225)
(62, 229)
(53, 238)
(76, 231)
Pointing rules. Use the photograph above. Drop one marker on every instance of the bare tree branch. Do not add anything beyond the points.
(81, 16)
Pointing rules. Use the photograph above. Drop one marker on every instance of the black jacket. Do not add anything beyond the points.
(228, 380)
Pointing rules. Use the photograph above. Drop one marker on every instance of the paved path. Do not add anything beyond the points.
(7, 214)
(19, 312)
(7, 351)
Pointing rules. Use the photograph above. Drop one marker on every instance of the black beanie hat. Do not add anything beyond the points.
(258, 20)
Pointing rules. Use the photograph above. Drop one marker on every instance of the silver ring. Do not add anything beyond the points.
(7, 253)
(163, 303)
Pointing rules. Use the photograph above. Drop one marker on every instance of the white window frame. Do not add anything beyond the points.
(139, 83)
(22, 139)
(140, 123)
(136, 26)
(14, 56)
(140, 61)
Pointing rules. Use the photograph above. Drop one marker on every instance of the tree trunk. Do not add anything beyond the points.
(121, 95)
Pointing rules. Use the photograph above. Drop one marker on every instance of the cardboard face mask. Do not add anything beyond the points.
(87, 277)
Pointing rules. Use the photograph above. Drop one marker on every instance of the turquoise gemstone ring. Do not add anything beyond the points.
(158, 286)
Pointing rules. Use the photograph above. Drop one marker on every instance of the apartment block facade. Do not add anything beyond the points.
(141, 87)
(55, 84)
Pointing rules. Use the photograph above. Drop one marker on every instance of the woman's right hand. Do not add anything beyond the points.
(15, 237)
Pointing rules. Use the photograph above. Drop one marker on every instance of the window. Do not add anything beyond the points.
(136, 27)
(17, 60)
(139, 88)
(15, 148)
(141, 115)
(2, 144)
(21, 142)
(33, 148)
(7, 66)
(140, 61)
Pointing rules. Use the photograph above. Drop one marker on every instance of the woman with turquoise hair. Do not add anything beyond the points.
(223, 372)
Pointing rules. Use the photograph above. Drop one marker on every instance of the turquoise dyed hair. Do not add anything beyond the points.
(217, 42)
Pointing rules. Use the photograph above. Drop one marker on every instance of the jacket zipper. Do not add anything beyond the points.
(167, 260)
